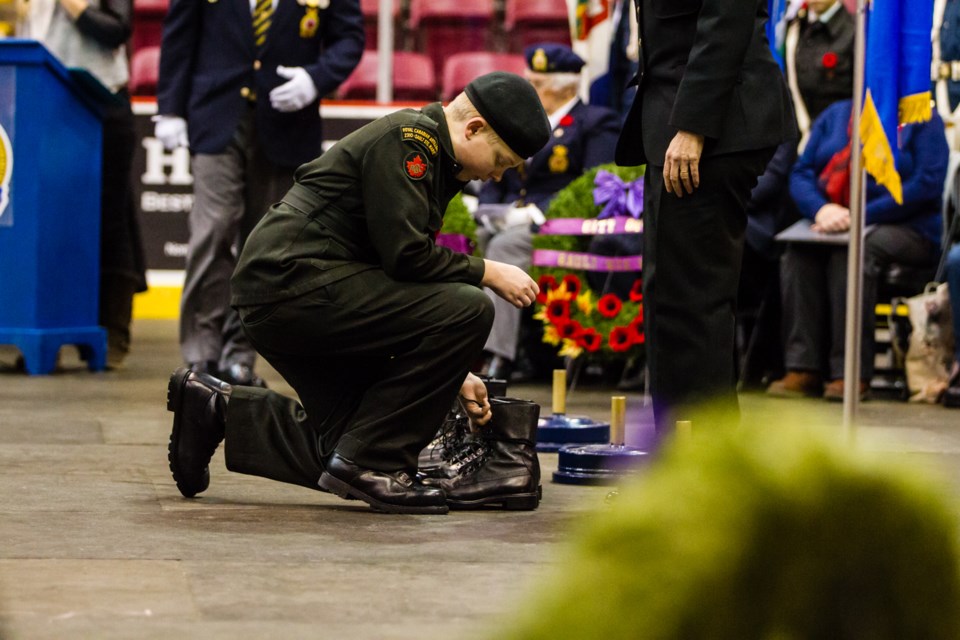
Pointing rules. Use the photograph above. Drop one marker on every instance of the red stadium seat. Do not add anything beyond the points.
(144, 69)
(413, 78)
(530, 21)
(443, 27)
(461, 68)
(371, 13)
(148, 23)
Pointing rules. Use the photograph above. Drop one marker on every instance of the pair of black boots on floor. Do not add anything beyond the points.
(496, 467)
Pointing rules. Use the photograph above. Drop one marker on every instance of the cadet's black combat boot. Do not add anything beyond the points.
(455, 443)
(199, 405)
(505, 471)
(434, 460)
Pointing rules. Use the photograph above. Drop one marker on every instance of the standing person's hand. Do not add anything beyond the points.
(681, 166)
(296, 93)
(510, 283)
(474, 400)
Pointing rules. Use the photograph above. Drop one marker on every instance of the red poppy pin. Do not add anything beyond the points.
(566, 120)
(829, 60)
(415, 165)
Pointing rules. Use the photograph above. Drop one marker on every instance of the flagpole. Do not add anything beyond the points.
(854, 324)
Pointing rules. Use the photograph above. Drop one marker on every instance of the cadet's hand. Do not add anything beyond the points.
(832, 218)
(681, 166)
(171, 131)
(510, 283)
(296, 93)
(473, 399)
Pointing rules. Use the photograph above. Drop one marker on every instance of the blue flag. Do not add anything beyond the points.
(777, 29)
(897, 83)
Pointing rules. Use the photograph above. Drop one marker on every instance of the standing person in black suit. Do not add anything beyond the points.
(240, 82)
(711, 108)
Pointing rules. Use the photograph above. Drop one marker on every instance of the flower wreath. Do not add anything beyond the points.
(574, 318)
(459, 230)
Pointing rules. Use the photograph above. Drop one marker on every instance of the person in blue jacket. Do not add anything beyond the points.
(584, 136)
(814, 275)
(240, 83)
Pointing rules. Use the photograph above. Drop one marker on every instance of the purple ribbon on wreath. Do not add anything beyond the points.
(621, 198)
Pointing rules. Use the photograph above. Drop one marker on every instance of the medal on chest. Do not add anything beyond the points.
(559, 160)
(310, 21)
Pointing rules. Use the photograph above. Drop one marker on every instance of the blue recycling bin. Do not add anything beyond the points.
(50, 148)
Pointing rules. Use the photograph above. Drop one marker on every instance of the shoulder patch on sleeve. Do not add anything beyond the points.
(425, 138)
(415, 165)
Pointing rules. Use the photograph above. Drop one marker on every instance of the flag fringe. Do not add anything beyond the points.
(877, 153)
(915, 108)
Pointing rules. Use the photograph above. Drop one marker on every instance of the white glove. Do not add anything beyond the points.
(171, 131)
(296, 93)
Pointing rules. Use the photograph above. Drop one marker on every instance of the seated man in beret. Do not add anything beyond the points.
(584, 136)
(343, 290)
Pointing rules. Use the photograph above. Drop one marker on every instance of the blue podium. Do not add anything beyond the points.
(50, 149)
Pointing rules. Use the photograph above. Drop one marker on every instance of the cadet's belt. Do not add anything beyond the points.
(310, 204)
(303, 199)
(945, 70)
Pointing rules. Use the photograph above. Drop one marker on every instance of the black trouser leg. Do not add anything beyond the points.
(884, 245)
(804, 277)
(269, 435)
(692, 254)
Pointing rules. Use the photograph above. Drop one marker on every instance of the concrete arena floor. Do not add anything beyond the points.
(96, 542)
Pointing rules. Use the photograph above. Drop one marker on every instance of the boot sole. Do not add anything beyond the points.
(512, 502)
(174, 398)
(342, 489)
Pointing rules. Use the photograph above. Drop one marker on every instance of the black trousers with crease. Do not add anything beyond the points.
(692, 252)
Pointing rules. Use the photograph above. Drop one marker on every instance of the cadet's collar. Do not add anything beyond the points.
(435, 112)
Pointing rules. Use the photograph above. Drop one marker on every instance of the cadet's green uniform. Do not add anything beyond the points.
(343, 290)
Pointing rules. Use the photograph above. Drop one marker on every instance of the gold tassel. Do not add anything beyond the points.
(915, 108)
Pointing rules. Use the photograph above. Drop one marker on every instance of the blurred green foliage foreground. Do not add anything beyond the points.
(775, 533)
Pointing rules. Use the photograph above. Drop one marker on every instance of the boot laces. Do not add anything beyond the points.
(470, 457)
(450, 437)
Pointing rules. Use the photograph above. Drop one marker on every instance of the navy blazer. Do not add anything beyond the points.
(209, 63)
(586, 137)
(705, 67)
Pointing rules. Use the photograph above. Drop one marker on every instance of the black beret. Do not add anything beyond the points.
(511, 106)
(550, 57)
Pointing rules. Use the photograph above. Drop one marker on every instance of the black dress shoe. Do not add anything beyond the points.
(394, 492)
(199, 403)
(242, 375)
